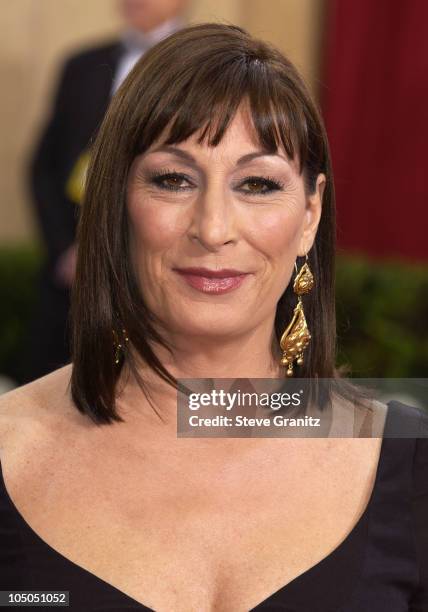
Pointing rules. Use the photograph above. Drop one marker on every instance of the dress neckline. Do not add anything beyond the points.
(281, 591)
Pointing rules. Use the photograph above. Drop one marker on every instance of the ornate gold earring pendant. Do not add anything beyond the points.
(118, 345)
(296, 337)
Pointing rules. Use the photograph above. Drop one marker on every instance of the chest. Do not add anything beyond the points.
(219, 537)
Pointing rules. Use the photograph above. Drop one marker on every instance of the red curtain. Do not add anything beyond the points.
(375, 102)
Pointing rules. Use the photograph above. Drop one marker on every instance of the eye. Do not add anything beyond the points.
(258, 185)
(172, 181)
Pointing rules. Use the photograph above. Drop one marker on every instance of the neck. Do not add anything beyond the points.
(248, 356)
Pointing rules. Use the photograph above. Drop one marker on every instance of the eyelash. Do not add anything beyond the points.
(271, 184)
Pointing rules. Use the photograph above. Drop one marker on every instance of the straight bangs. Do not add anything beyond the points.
(252, 85)
(211, 80)
(213, 86)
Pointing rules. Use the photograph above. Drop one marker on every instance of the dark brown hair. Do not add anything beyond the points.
(193, 80)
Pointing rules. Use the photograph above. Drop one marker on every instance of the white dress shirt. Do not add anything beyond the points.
(136, 43)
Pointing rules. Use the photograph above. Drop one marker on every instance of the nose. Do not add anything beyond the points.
(213, 221)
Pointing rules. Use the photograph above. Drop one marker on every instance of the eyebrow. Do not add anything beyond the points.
(190, 159)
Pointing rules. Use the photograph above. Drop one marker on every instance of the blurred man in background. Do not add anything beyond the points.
(58, 167)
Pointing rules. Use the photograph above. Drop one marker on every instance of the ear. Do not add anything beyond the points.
(312, 216)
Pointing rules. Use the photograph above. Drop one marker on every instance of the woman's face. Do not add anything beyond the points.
(229, 207)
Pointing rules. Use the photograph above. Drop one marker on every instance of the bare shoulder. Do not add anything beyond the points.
(35, 408)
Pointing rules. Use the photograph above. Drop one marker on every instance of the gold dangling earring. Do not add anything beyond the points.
(296, 337)
(118, 346)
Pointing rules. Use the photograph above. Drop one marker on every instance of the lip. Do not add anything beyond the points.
(213, 281)
(207, 273)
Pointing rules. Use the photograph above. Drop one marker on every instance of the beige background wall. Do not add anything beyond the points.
(37, 34)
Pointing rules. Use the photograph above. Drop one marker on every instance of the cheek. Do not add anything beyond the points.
(276, 236)
(277, 233)
(154, 227)
(154, 231)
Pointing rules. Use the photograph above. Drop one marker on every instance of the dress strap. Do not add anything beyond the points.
(404, 421)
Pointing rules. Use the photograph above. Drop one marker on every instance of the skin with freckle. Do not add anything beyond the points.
(212, 216)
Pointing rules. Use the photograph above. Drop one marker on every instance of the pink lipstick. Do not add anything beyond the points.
(213, 281)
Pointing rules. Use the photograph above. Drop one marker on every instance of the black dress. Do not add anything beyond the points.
(381, 566)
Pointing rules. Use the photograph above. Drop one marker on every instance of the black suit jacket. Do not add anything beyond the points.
(81, 100)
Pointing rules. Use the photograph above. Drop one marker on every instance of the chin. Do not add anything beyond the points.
(208, 326)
